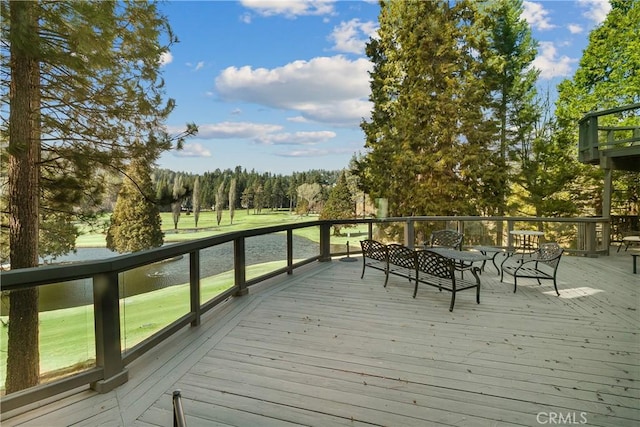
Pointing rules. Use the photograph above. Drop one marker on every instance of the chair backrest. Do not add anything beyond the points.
(401, 256)
(374, 250)
(550, 253)
(435, 264)
(446, 238)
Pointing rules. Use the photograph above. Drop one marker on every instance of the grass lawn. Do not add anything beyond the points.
(242, 220)
(207, 225)
(67, 335)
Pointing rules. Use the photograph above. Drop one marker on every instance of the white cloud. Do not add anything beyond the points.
(297, 138)
(226, 130)
(311, 152)
(192, 149)
(549, 64)
(536, 15)
(199, 65)
(575, 28)
(595, 10)
(166, 58)
(290, 8)
(352, 36)
(326, 89)
(316, 152)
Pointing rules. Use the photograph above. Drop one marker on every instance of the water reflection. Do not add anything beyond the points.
(214, 260)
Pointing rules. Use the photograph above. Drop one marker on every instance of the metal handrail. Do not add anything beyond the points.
(179, 419)
(112, 361)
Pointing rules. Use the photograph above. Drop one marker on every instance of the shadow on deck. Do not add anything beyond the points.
(323, 347)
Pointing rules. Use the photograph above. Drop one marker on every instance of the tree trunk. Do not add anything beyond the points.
(23, 183)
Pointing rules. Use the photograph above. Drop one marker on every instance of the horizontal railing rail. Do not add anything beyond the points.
(111, 359)
(594, 136)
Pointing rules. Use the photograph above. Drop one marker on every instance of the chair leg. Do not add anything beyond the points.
(515, 284)
(478, 294)
(364, 264)
(555, 286)
(453, 300)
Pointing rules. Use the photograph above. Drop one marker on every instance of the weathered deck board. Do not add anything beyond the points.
(323, 347)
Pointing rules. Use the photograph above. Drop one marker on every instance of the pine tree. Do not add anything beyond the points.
(197, 197)
(424, 96)
(178, 193)
(84, 82)
(135, 221)
(232, 199)
(339, 204)
(220, 202)
(507, 55)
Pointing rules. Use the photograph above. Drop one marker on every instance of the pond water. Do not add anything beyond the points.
(214, 260)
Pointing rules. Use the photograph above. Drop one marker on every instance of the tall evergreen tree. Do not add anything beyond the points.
(220, 202)
(135, 222)
(339, 204)
(84, 81)
(422, 88)
(197, 197)
(232, 199)
(178, 194)
(510, 78)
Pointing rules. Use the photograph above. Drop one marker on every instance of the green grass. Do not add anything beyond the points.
(67, 335)
(207, 225)
(242, 220)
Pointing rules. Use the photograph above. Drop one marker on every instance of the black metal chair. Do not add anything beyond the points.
(401, 261)
(374, 255)
(439, 271)
(543, 265)
(446, 239)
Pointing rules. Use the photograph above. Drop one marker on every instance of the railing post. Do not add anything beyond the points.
(106, 304)
(370, 231)
(289, 251)
(606, 234)
(194, 285)
(239, 266)
(590, 228)
(592, 137)
(325, 242)
(509, 235)
(409, 234)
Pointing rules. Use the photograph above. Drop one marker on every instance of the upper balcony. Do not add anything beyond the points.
(611, 138)
(311, 343)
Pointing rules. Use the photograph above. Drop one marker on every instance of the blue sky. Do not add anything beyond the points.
(281, 86)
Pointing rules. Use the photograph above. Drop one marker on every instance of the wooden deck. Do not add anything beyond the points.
(323, 347)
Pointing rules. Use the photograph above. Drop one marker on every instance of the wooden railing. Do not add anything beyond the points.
(611, 133)
(583, 236)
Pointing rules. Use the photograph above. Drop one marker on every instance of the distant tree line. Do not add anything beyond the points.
(252, 191)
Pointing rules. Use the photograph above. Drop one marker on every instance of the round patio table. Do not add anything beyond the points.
(526, 241)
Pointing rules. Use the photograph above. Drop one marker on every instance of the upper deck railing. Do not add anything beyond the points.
(611, 135)
(105, 350)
